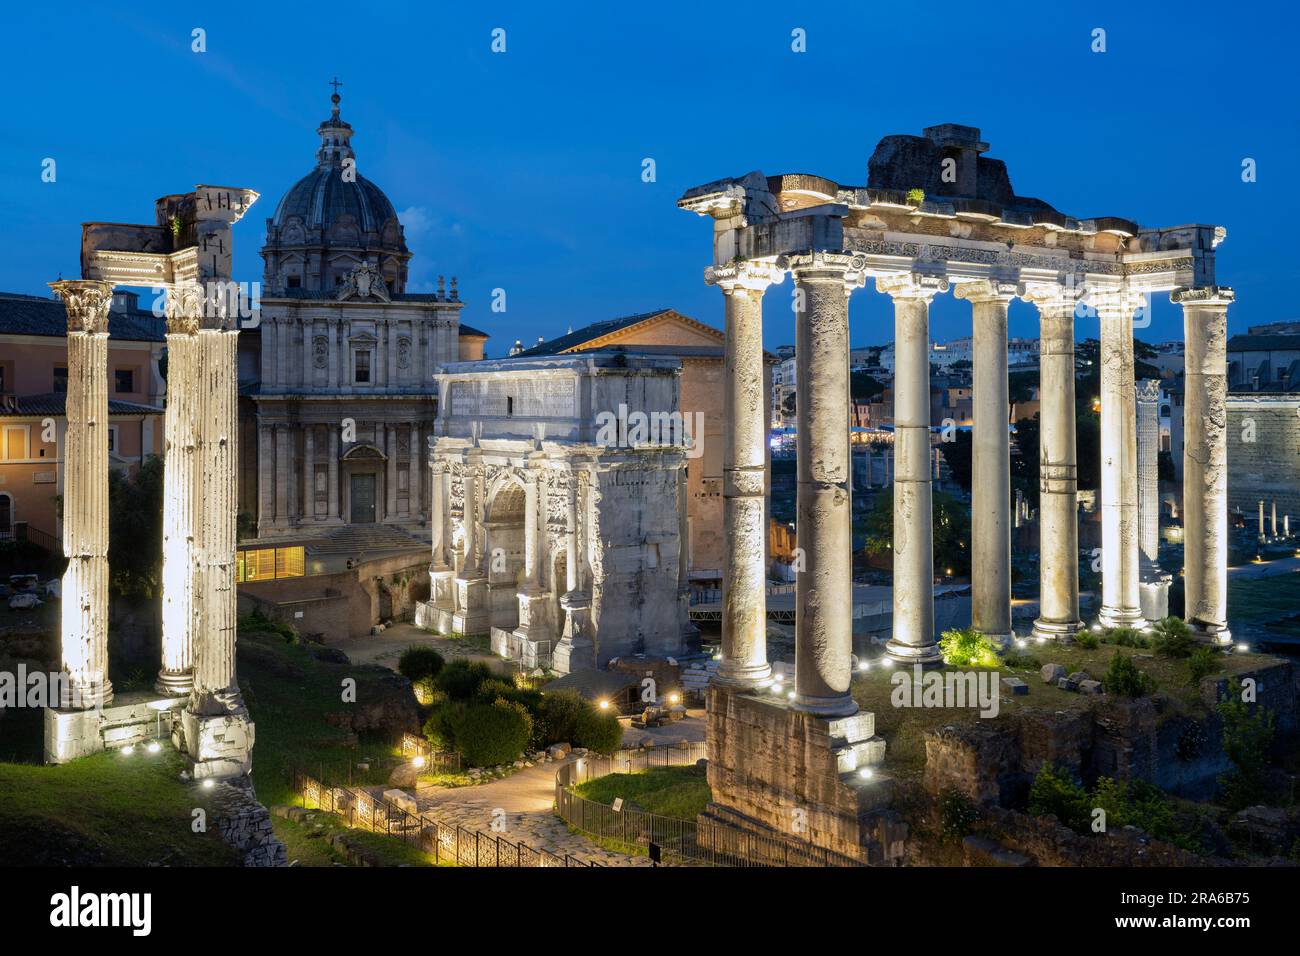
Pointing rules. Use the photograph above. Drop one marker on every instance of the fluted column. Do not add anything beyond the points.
(309, 473)
(531, 552)
(437, 516)
(334, 472)
(824, 523)
(413, 474)
(1120, 601)
(1058, 507)
(912, 641)
(265, 473)
(1205, 460)
(744, 572)
(84, 609)
(991, 461)
(180, 491)
(390, 473)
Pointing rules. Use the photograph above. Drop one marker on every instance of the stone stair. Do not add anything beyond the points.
(355, 539)
(695, 676)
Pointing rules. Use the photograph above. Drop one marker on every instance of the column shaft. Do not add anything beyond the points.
(334, 472)
(1119, 528)
(1205, 461)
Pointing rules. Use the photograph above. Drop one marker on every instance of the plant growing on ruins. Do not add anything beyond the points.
(1124, 679)
(1125, 637)
(1054, 792)
(957, 814)
(915, 196)
(1201, 663)
(1247, 740)
(967, 647)
(1088, 641)
(1172, 637)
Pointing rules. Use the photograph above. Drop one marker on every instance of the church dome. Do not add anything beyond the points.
(332, 221)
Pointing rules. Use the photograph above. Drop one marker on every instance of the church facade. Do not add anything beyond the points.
(336, 390)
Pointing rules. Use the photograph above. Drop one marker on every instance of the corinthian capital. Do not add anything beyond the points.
(849, 268)
(912, 285)
(184, 308)
(86, 301)
(1116, 303)
(1209, 296)
(987, 290)
(752, 275)
(1052, 297)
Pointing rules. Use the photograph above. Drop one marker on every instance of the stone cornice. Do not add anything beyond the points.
(1207, 296)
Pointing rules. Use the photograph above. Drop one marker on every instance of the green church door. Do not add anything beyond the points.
(363, 499)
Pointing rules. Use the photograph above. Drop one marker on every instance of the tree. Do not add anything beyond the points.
(957, 453)
(950, 527)
(1024, 466)
(135, 507)
(1021, 385)
(863, 386)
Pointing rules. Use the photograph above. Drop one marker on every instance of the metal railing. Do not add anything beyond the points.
(444, 842)
(22, 531)
(684, 842)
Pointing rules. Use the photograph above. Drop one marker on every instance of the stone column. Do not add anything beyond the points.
(913, 640)
(309, 472)
(413, 475)
(1263, 533)
(180, 491)
(991, 461)
(334, 473)
(574, 650)
(1120, 600)
(471, 616)
(282, 472)
(1153, 584)
(744, 573)
(84, 608)
(1058, 501)
(265, 476)
(390, 473)
(1205, 460)
(824, 523)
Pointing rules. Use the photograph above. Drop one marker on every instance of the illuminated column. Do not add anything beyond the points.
(1205, 460)
(84, 609)
(282, 471)
(441, 590)
(1120, 600)
(1263, 533)
(265, 474)
(991, 461)
(180, 491)
(574, 650)
(1058, 504)
(1273, 520)
(744, 572)
(824, 589)
(1153, 584)
(471, 615)
(913, 640)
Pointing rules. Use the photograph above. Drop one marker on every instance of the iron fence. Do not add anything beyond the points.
(445, 842)
(686, 842)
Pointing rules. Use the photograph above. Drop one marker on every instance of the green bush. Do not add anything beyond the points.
(258, 621)
(1125, 637)
(1247, 741)
(599, 732)
(1123, 678)
(440, 728)
(460, 679)
(1020, 660)
(1201, 663)
(490, 734)
(558, 716)
(1055, 792)
(1173, 638)
(1087, 640)
(967, 647)
(957, 814)
(419, 662)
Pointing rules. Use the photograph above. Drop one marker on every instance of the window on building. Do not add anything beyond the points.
(361, 367)
(124, 380)
(14, 443)
(60, 378)
(510, 405)
(112, 438)
(267, 564)
(295, 282)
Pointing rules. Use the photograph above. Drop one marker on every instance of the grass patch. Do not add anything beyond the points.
(106, 810)
(678, 792)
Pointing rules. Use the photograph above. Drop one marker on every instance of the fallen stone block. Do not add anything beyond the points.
(1015, 685)
(1090, 687)
(1066, 684)
(1052, 673)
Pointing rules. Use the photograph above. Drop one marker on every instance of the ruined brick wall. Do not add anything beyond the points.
(245, 826)
(1264, 455)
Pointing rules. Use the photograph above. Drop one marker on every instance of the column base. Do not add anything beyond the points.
(219, 745)
(472, 613)
(1216, 635)
(742, 676)
(1057, 630)
(1154, 597)
(842, 705)
(1121, 617)
(927, 655)
(174, 683)
(569, 656)
(86, 696)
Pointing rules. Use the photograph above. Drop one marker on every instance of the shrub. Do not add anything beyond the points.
(558, 716)
(1247, 740)
(1201, 663)
(916, 196)
(1125, 680)
(440, 728)
(1087, 640)
(967, 647)
(1173, 638)
(490, 734)
(599, 732)
(1055, 792)
(259, 621)
(1125, 637)
(419, 662)
(1020, 660)
(957, 814)
(460, 679)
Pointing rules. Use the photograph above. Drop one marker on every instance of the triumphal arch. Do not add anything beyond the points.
(936, 216)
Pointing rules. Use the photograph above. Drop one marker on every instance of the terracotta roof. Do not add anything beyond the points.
(37, 315)
(54, 404)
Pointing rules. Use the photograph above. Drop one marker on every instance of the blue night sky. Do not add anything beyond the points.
(523, 170)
